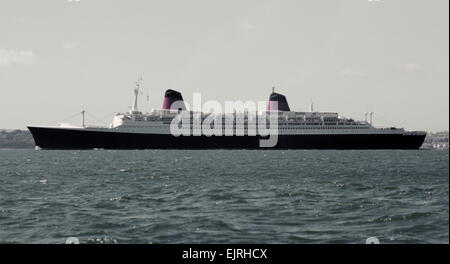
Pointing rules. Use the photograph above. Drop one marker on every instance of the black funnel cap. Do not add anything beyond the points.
(172, 96)
(280, 99)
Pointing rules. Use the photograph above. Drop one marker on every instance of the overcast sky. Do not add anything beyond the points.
(348, 56)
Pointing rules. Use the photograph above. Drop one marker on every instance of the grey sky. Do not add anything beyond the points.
(349, 56)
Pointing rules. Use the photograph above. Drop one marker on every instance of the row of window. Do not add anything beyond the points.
(321, 128)
(167, 122)
(246, 128)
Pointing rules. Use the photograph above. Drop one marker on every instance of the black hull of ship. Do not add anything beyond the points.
(60, 138)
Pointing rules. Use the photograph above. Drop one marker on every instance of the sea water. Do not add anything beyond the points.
(224, 196)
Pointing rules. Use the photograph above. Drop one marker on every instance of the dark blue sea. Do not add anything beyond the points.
(224, 196)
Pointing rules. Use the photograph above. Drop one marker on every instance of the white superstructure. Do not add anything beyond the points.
(158, 122)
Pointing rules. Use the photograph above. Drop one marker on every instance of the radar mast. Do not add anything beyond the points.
(137, 91)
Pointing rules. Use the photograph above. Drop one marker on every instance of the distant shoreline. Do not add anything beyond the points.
(16, 139)
(15, 148)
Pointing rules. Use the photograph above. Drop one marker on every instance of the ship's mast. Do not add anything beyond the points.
(82, 117)
(136, 94)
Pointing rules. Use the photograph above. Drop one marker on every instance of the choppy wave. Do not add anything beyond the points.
(223, 196)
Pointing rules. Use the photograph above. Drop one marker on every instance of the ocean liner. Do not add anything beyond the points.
(294, 130)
